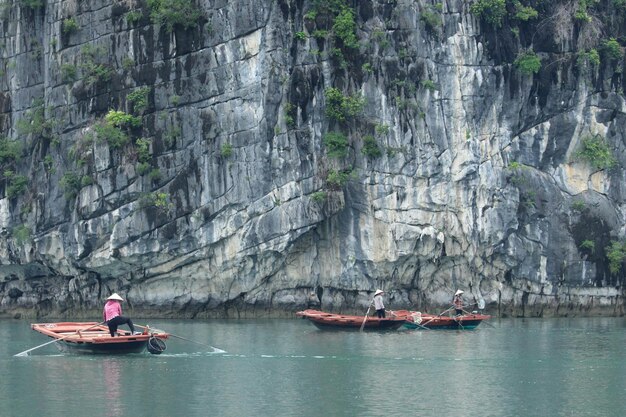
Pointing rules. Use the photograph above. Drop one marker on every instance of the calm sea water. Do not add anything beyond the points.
(516, 367)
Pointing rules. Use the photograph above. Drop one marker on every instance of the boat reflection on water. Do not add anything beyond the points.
(111, 369)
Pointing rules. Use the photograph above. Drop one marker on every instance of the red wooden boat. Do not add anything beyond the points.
(91, 337)
(330, 321)
(417, 320)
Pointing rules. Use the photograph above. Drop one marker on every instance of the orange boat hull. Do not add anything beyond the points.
(330, 321)
(91, 337)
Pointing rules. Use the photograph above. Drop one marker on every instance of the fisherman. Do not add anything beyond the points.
(112, 314)
(378, 304)
(457, 302)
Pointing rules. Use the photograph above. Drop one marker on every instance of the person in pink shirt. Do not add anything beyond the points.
(112, 315)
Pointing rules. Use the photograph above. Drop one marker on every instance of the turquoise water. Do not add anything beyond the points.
(515, 367)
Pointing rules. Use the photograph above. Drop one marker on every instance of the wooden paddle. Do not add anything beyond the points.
(419, 325)
(365, 318)
(25, 353)
(439, 315)
(217, 350)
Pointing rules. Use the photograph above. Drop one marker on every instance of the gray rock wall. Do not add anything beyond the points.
(478, 184)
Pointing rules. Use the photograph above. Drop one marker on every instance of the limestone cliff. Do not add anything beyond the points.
(210, 158)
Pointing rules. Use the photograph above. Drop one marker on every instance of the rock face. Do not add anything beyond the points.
(231, 163)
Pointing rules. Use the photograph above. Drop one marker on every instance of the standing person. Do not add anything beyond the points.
(378, 304)
(457, 301)
(112, 314)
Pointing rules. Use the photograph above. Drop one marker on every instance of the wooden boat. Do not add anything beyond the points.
(91, 337)
(417, 320)
(330, 321)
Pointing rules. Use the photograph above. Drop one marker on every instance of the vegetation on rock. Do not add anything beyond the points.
(336, 144)
(528, 62)
(172, 13)
(69, 26)
(337, 179)
(139, 99)
(616, 253)
(491, 11)
(596, 151)
(370, 147)
(340, 107)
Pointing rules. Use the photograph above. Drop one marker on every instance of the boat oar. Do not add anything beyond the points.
(412, 322)
(458, 321)
(420, 326)
(182, 338)
(365, 318)
(25, 353)
(439, 315)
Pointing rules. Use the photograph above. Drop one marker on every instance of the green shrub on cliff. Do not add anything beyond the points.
(139, 99)
(113, 135)
(35, 122)
(93, 65)
(431, 19)
(69, 26)
(133, 17)
(615, 253)
(596, 151)
(528, 62)
(340, 18)
(291, 112)
(143, 156)
(226, 150)
(370, 147)
(120, 119)
(524, 13)
(592, 57)
(581, 12)
(170, 13)
(588, 246)
(491, 11)
(10, 151)
(429, 85)
(344, 28)
(112, 129)
(143, 149)
(319, 196)
(578, 206)
(340, 107)
(337, 179)
(336, 144)
(21, 234)
(68, 73)
(70, 184)
(612, 49)
(16, 184)
(155, 199)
